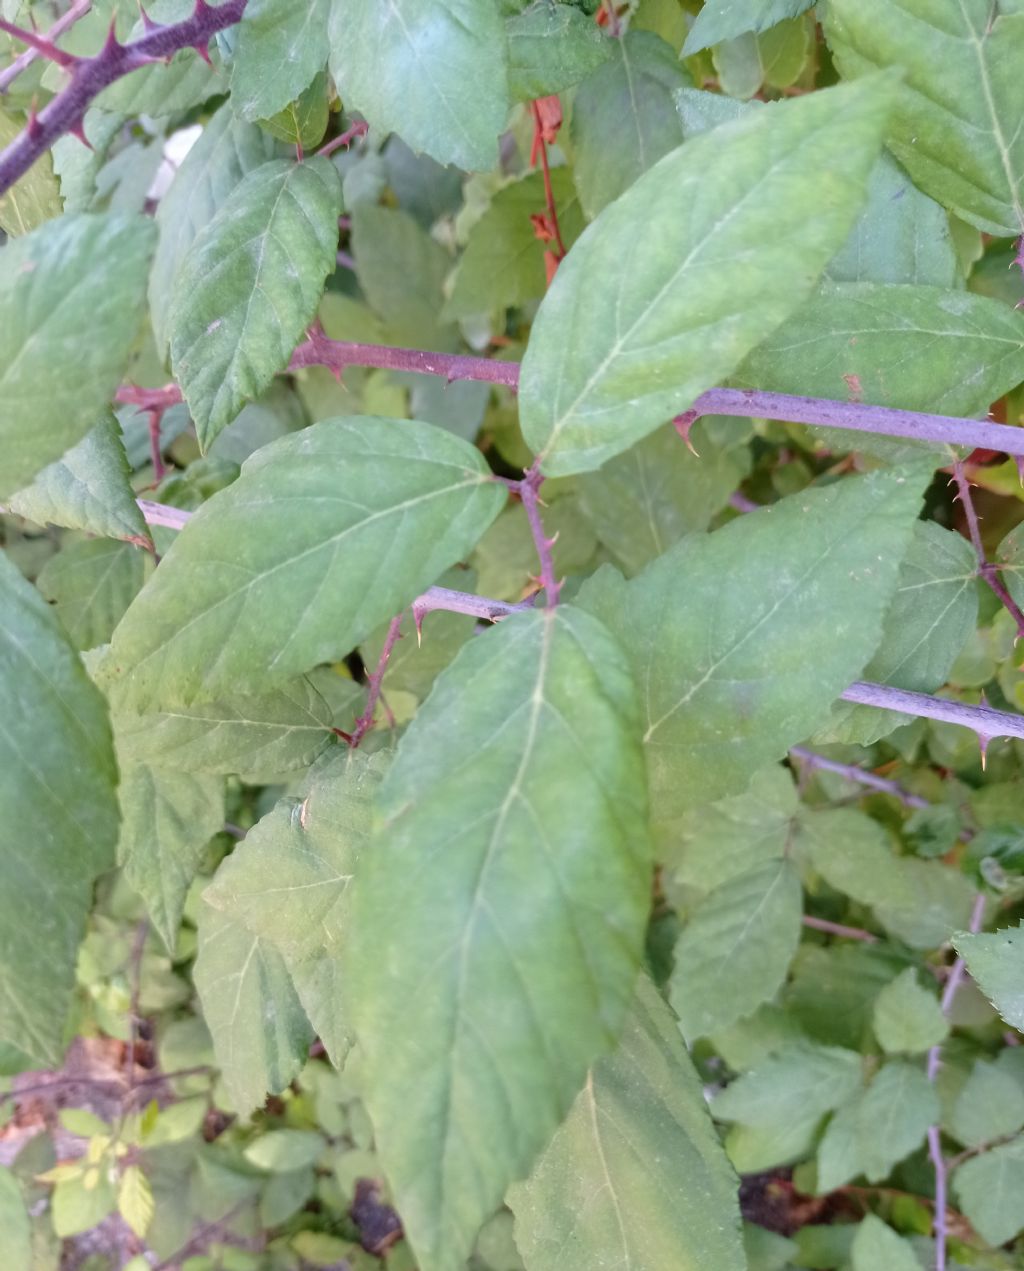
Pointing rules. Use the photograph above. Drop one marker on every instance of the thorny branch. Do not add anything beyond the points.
(24, 60)
(986, 570)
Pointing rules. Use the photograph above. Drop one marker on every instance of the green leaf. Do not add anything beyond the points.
(726, 19)
(167, 820)
(75, 1207)
(930, 620)
(35, 197)
(893, 1117)
(774, 59)
(303, 122)
(289, 884)
(996, 962)
(281, 48)
(624, 118)
(88, 489)
(73, 275)
(738, 226)
(237, 975)
(638, 1156)
(954, 128)
(15, 1229)
(91, 584)
(550, 48)
(228, 149)
(916, 348)
(713, 844)
(171, 88)
(902, 236)
(941, 900)
(503, 264)
(853, 853)
(434, 71)
(908, 1018)
(876, 1245)
(283, 1150)
(723, 628)
(412, 496)
(57, 776)
(135, 1200)
(990, 1105)
(257, 738)
(798, 1082)
(736, 948)
(513, 858)
(642, 502)
(401, 271)
(990, 1189)
(250, 285)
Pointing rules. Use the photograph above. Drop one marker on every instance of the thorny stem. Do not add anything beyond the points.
(549, 193)
(953, 983)
(986, 570)
(358, 129)
(91, 75)
(375, 682)
(529, 489)
(24, 60)
(853, 773)
(338, 355)
(838, 929)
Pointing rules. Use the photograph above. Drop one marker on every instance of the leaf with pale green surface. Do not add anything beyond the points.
(76, 274)
(955, 128)
(725, 669)
(739, 223)
(434, 71)
(88, 489)
(990, 1190)
(288, 883)
(15, 1227)
(876, 1246)
(249, 286)
(281, 48)
(503, 264)
(798, 1081)
(57, 776)
(893, 1116)
(258, 738)
(908, 1019)
(237, 973)
(303, 122)
(989, 1106)
(330, 562)
(512, 855)
(34, 198)
(854, 854)
(940, 903)
(91, 583)
(726, 19)
(228, 149)
(996, 962)
(167, 820)
(736, 948)
(642, 502)
(915, 348)
(624, 118)
(635, 1175)
(550, 48)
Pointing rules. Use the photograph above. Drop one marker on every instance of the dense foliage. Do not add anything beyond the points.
(511, 710)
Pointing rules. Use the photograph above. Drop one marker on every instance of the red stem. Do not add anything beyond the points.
(358, 129)
(986, 570)
(529, 492)
(549, 193)
(375, 682)
(838, 929)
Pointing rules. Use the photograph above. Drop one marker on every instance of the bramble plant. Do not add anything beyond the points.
(510, 673)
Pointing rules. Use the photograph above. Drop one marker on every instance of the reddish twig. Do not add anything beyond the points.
(91, 75)
(986, 569)
(540, 149)
(852, 773)
(374, 684)
(838, 929)
(24, 60)
(529, 492)
(338, 355)
(940, 1221)
(358, 129)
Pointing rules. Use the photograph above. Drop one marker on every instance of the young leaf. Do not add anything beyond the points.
(746, 636)
(434, 71)
(726, 19)
(135, 1200)
(281, 47)
(237, 974)
(990, 1189)
(737, 226)
(955, 125)
(57, 776)
(624, 118)
(167, 820)
(990, 1106)
(74, 275)
(550, 48)
(88, 489)
(91, 583)
(355, 517)
(250, 285)
(893, 1117)
(258, 738)
(876, 1245)
(228, 149)
(996, 961)
(908, 1018)
(638, 1157)
(513, 858)
(917, 348)
(736, 948)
